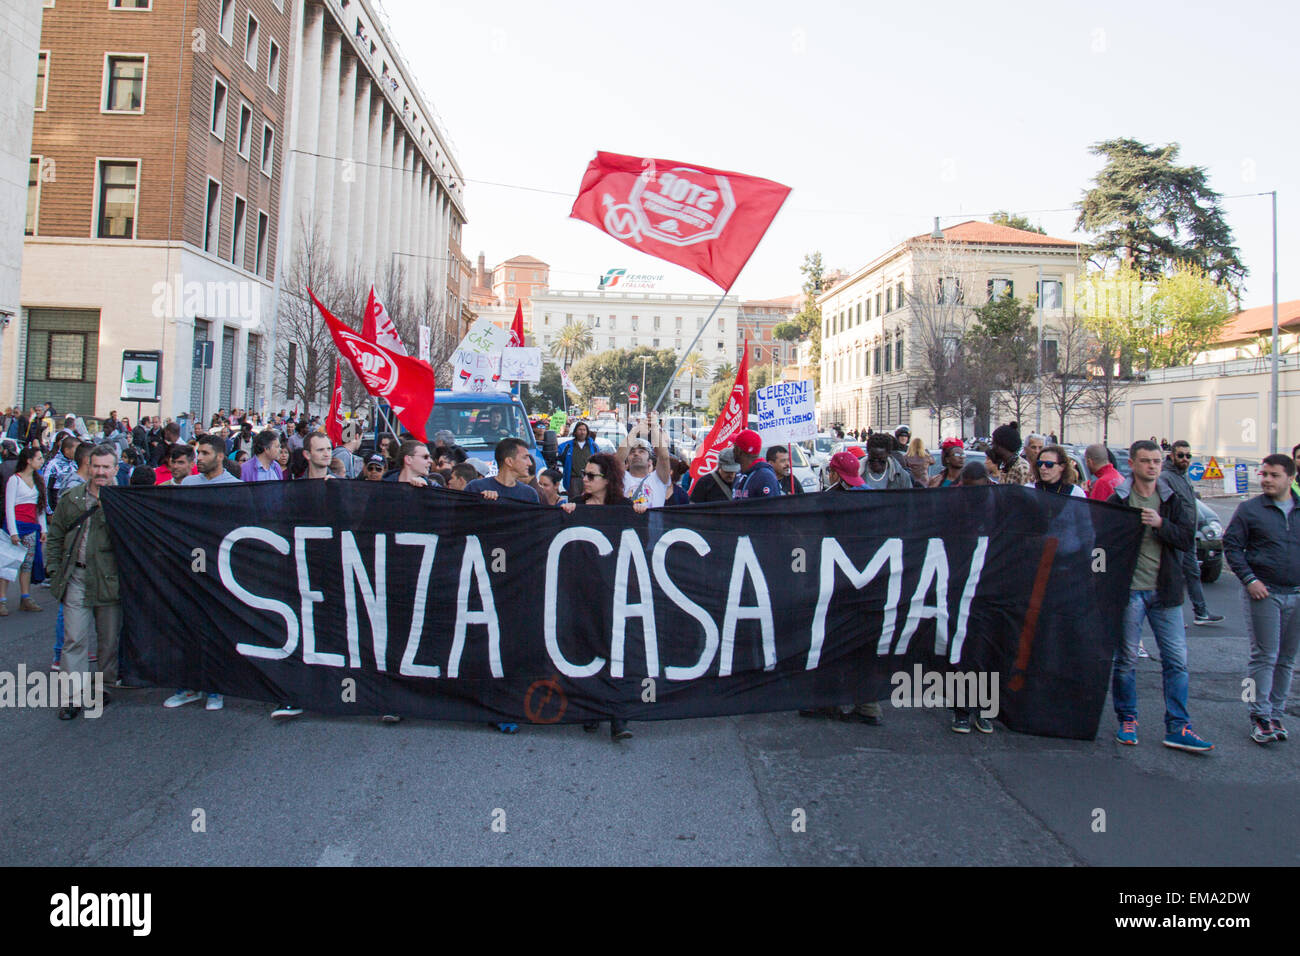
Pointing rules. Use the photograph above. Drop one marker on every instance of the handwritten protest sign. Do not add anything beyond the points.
(787, 413)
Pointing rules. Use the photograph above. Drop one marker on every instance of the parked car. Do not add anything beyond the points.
(819, 449)
(971, 455)
(1209, 542)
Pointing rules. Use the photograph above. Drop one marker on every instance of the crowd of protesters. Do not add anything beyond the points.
(52, 487)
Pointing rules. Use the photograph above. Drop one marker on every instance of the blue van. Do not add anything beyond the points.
(479, 420)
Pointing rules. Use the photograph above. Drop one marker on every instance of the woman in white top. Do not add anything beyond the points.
(25, 520)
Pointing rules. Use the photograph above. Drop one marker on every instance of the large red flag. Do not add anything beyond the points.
(705, 220)
(334, 421)
(734, 418)
(405, 383)
(517, 326)
(377, 327)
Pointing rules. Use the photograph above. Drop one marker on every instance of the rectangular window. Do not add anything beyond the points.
(66, 358)
(1050, 355)
(889, 358)
(898, 353)
(128, 4)
(879, 299)
(655, 343)
(950, 291)
(263, 235)
(245, 128)
(875, 360)
(898, 299)
(679, 322)
(33, 196)
(273, 66)
(721, 347)
(212, 217)
(117, 199)
(634, 319)
(656, 323)
(226, 25)
(722, 325)
(238, 227)
(1049, 294)
(217, 117)
(510, 290)
(251, 41)
(998, 288)
(42, 77)
(859, 313)
(123, 83)
(268, 148)
(889, 300)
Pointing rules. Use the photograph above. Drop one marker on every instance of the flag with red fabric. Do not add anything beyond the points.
(517, 327)
(407, 384)
(377, 326)
(334, 421)
(706, 220)
(734, 418)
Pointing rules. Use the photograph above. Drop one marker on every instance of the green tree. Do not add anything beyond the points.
(718, 397)
(1004, 218)
(1189, 312)
(788, 331)
(1001, 346)
(571, 343)
(546, 395)
(609, 373)
(695, 366)
(1147, 211)
(726, 372)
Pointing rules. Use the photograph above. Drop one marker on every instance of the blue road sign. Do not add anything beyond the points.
(1195, 470)
(1243, 478)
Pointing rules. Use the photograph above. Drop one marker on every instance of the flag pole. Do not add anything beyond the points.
(689, 349)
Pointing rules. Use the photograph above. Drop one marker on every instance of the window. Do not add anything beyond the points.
(634, 321)
(1050, 355)
(898, 301)
(251, 42)
(510, 290)
(268, 148)
(238, 228)
(679, 322)
(889, 300)
(117, 199)
(128, 4)
(66, 358)
(722, 325)
(42, 77)
(1000, 287)
(511, 276)
(889, 358)
(33, 195)
(721, 347)
(263, 233)
(656, 323)
(898, 353)
(217, 119)
(950, 291)
(212, 217)
(859, 313)
(878, 301)
(867, 311)
(654, 343)
(123, 83)
(245, 128)
(226, 25)
(273, 66)
(875, 360)
(1049, 294)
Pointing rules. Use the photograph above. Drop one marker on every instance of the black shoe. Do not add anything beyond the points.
(832, 713)
(961, 723)
(69, 713)
(618, 730)
(591, 726)
(390, 719)
(1207, 618)
(983, 725)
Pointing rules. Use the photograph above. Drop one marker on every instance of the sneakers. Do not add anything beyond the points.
(4, 608)
(214, 702)
(961, 723)
(1278, 730)
(1142, 651)
(1261, 730)
(868, 713)
(182, 697)
(54, 666)
(1207, 618)
(982, 724)
(507, 728)
(618, 730)
(390, 719)
(1128, 733)
(286, 710)
(27, 604)
(1186, 739)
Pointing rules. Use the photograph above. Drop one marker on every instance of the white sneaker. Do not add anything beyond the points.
(286, 710)
(182, 697)
(215, 702)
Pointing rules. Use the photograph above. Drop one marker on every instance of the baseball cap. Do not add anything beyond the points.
(748, 442)
(376, 460)
(846, 466)
(727, 460)
(857, 451)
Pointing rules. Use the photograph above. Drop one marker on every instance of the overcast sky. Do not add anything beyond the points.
(879, 116)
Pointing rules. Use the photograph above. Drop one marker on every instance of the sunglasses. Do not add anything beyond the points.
(1048, 464)
(590, 474)
(1183, 457)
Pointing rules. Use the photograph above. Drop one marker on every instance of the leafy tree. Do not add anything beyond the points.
(788, 331)
(1147, 211)
(1068, 387)
(572, 342)
(726, 372)
(1189, 312)
(1004, 218)
(546, 395)
(695, 366)
(609, 373)
(1002, 347)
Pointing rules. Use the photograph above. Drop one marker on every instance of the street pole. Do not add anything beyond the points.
(1038, 391)
(1272, 421)
(689, 349)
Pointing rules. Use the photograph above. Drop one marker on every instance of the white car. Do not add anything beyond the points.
(819, 449)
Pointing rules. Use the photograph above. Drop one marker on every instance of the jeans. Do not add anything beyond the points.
(1171, 637)
(1194, 590)
(58, 634)
(1274, 637)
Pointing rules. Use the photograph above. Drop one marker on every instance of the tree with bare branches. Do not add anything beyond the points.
(1068, 387)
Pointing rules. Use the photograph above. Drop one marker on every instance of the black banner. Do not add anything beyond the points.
(360, 598)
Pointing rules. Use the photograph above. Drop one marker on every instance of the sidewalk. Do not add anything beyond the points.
(24, 624)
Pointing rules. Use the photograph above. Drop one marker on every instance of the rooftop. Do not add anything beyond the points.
(991, 233)
(1259, 321)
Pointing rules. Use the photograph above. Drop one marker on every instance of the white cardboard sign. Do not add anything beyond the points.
(787, 412)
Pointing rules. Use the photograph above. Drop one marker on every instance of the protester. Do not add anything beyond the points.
(1262, 546)
(1005, 453)
(390, 448)
(880, 469)
(975, 474)
(180, 465)
(316, 447)
(757, 478)
(778, 456)
(25, 521)
(1174, 472)
(1033, 445)
(1105, 476)
(347, 453)
(374, 469)
(1054, 472)
(511, 480)
(547, 443)
(716, 485)
(918, 462)
(461, 476)
(210, 451)
(57, 469)
(264, 465)
(1156, 595)
(641, 484)
(83, 578)
(549, 488)
(953, 457)
(415, 462)
(574, 453)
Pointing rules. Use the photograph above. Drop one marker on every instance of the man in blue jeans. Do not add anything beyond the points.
(1156, 595)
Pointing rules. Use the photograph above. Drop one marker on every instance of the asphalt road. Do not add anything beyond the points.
(131, 787)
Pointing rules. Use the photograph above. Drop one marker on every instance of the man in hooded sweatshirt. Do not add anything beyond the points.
(880, 469)
(757, 478)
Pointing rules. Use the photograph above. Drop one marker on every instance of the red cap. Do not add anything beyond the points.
(951, 443)
(846, 468)
(857, 451)
(748, 442)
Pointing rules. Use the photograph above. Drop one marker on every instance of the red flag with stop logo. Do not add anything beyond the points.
(734, 418)
(334, 421)
(706, 220)
(405, 383)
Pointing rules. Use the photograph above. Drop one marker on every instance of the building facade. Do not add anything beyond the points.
(154, 203)
(757, 320)
(871, 358)
(518, 280)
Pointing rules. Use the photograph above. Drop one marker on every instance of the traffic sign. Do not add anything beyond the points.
(633, 399)
(632, 389)
(1196, 471)
(1212, 470)
(1243, 477)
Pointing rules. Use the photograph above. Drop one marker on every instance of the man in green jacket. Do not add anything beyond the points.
(83, 576)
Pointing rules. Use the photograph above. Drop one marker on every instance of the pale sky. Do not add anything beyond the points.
(878, 116)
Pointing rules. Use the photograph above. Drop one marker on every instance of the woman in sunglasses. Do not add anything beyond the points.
(1054, 472)
(602, 484)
